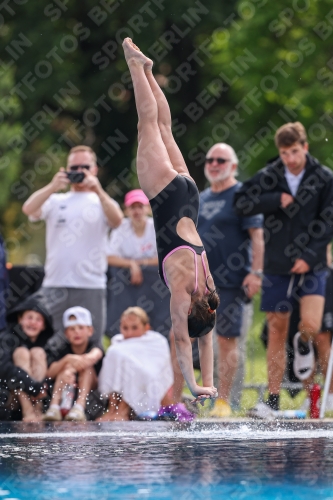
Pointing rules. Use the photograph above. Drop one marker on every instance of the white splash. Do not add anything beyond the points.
(243, 433)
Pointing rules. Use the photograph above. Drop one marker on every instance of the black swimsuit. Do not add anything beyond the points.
(180, 198)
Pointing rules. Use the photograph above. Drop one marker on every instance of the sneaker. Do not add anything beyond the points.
(76, 414)
(52, 415)
(177, 412)
(262, 410)
(221, 409)
(303, 363)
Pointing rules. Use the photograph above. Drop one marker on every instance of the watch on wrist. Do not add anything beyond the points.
(258, 273)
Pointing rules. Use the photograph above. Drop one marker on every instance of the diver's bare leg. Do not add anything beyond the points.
(155, 170)
(164, 124)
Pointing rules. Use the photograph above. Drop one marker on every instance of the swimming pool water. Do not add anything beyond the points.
(153, 460)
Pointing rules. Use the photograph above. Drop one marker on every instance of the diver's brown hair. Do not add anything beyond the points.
(202, 318)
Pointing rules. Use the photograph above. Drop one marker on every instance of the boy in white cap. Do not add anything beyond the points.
(74, 362)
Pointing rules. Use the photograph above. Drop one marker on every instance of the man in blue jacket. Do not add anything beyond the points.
(295, 194)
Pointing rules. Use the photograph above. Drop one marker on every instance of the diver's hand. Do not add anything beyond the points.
(203, 393)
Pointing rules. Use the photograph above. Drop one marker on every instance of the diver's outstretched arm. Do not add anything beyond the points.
(206, 354)
(180, 303)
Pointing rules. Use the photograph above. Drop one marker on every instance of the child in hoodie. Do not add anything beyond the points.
(22, 345)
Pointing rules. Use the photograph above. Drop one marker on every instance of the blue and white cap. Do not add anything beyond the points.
(81, 317)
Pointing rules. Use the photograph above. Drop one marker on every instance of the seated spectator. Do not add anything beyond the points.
(76, 362)
(138, 229)
(136, 373)
(22, 347)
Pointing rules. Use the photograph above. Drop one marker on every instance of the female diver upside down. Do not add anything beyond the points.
(174, 199)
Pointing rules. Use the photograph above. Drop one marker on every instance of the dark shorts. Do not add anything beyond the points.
(327, 324)
(280, 293)
(230, 312)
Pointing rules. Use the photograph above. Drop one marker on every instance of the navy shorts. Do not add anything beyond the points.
(280, 292)
(229, 314)
(327, 324)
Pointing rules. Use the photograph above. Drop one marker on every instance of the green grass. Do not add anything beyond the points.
(106, 341)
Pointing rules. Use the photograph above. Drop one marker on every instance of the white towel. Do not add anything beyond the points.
(139, 369)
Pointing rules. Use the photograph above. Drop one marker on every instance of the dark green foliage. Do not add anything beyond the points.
(217, 62)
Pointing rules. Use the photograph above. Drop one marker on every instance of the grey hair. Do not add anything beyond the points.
(234, 157)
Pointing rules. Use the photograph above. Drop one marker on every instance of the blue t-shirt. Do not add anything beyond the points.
(225, 237)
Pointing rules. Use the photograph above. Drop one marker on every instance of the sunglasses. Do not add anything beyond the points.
(75, 168)
(220, 161)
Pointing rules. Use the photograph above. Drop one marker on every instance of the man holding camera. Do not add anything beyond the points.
(77, 225)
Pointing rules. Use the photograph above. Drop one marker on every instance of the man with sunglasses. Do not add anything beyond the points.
(77, 226)
(228, 240)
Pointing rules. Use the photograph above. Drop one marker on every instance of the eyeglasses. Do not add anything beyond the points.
(220, 161)
(75, 168)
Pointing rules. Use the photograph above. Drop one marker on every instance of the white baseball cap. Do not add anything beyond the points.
(82, 317)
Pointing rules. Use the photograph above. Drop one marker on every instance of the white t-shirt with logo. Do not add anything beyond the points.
(126, 244)
(76, 240)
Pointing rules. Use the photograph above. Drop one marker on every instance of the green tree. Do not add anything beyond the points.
(10, 161)
(277, 63)
(73, 85)
(231, 72)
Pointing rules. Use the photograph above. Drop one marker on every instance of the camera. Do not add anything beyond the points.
(75, 177)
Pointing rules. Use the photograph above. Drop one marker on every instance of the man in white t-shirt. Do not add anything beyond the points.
(77, 226)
